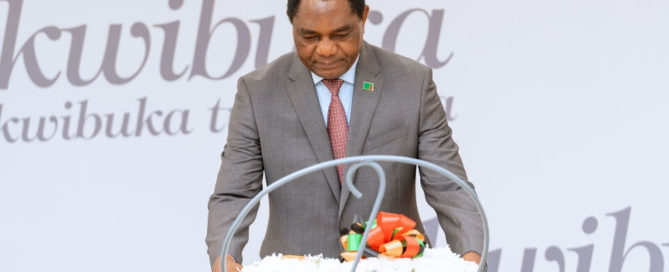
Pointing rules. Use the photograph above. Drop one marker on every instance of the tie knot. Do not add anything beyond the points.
(333, 85)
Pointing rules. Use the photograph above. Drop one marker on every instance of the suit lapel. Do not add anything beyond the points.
(363, 108)
(302, 94)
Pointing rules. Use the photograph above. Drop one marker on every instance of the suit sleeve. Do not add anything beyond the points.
(239, 178)
(456, 212)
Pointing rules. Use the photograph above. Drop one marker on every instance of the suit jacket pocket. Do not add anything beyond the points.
(385, 137)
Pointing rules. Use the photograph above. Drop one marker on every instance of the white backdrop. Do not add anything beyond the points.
(559, 107)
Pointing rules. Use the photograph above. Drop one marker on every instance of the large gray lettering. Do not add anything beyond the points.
(66, 123)
(124, 130)
(84, 118)
(148, 121)
(215, 111)
(375, 17)
(264, 39)
(431, 47)
(493, 260)
(618, 254)
(554, 254)
(40, 133)
(528, 260)
(183, 125)
(7, 59)
(74, 59)
(5, 128)
(108, 67)
(204, 33)
(111, 52)
(169, 46)
(585, 253)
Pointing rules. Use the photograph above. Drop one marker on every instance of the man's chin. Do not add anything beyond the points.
(328, 74)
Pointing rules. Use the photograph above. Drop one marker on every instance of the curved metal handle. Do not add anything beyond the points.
(367, 160)
(358, 194)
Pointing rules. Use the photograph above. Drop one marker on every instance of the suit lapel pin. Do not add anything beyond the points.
(368, 86)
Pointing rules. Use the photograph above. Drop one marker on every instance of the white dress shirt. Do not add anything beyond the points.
(345, 93)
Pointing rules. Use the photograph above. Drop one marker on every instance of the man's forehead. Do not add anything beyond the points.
(307, 30)
(321, 3)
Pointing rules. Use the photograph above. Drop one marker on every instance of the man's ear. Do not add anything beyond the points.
(364, 17)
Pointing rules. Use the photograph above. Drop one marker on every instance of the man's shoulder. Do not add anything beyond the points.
(389, 60)
(277, 68)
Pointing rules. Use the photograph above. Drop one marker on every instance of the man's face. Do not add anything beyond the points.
(328, 36)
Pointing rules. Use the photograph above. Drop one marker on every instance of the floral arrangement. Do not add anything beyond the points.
(433, 260)
(392, 245)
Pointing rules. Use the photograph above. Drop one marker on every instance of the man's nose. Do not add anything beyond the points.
(326, 48)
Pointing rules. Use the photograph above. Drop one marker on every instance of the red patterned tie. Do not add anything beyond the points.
(337, 125)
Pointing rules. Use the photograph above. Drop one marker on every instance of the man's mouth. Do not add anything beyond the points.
(327, 65)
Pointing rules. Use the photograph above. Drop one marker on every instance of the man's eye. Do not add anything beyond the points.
(310, 38)
(340, 36)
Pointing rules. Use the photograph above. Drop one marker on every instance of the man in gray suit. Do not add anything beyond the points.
(335, 96)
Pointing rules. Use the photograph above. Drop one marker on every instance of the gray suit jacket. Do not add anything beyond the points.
(276, 127)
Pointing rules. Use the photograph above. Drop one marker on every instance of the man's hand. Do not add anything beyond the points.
(472, 257)
(232, 266)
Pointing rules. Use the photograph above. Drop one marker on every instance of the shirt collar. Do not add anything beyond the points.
(348, 77)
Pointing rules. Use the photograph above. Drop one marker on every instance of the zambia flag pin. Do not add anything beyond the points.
(368, 86)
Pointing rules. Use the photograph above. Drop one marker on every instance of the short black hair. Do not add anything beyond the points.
(357, 6)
